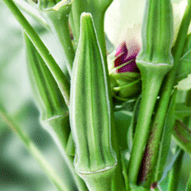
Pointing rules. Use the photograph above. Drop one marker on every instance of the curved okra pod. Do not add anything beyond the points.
(56, 15)
(90, 112)
(154, 61)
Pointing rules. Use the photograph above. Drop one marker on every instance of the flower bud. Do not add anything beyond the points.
(125, 79)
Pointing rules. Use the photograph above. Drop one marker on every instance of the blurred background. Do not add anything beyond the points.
(19, 171)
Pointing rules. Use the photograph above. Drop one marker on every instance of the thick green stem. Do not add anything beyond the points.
(167, 89)
(49, 60)
(97, 9)
(151, 153)
(150, 89)
(118, 182)
(61, 185)
(58, 22)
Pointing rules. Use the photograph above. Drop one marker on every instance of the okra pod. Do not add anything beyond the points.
(54, 112)
(90, 112)
(154, 61)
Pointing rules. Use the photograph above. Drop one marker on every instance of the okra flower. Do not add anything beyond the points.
(126, 37)
(124, 73)
(130, 14)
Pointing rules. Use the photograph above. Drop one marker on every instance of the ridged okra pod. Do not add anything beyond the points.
(154, 61)
(54, 112)
(90, 112)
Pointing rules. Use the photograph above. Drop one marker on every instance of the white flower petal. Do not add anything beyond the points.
(124, 18)
(121, 15)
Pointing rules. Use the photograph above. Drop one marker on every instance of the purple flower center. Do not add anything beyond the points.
(125, 55)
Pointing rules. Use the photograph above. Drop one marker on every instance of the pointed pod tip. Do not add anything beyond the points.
(86, 17)
(85, 14)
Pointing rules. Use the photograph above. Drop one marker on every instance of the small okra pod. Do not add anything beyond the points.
(54, 112)
(90, 112)
(154, 61)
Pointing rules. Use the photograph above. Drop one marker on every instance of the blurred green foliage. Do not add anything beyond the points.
(18, 169)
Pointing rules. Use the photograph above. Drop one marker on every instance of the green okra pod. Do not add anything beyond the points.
(90, 111)
(54, 111)
(154, 61)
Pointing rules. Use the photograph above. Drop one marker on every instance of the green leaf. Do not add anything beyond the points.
(185, 61)
(122, 122)
(138, 188)
(166, 139)
(182, 136)
(133, 125)
(182, 111)
(188, 188)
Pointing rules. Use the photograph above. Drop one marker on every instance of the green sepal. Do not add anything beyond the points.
(125, 85)
(90, 111)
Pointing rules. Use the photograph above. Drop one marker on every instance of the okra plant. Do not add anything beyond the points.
(119, 105)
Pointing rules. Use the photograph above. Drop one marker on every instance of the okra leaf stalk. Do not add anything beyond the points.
(54, 111)
(43, 51)
(154, 61)
(90, 112)
(56, 14)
